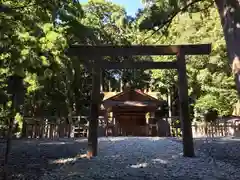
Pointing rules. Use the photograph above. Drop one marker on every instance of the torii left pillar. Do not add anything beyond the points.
(188, 147)
(93, 121)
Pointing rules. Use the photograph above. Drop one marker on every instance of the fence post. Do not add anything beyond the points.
(225, 127)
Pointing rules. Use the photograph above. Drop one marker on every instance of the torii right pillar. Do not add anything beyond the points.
(188, 146)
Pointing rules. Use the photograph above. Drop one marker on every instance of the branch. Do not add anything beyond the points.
(167, 26)
(169, 23)
(171, 17)
(7, 9)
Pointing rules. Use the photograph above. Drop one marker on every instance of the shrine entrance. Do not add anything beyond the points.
(129, 111)
(95, 61)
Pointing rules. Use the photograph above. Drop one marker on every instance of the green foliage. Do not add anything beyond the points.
(19, 119)
(211, 84)
(35, 36)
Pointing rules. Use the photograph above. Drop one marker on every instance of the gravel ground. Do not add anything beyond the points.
(125, 158)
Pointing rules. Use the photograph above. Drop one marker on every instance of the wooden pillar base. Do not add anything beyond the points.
(188, 146)
(93, 123)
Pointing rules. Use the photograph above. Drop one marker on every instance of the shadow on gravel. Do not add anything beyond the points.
(222, 150)
(226, 149)
(29, 159)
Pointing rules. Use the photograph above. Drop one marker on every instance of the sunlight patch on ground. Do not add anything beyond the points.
(81, 140)
(63, 161)
(69, 160)
(177, 155)
(158, 160)
(140, 165)
(113, 139)
(55, 143)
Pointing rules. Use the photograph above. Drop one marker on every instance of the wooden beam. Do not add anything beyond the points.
(188, 147)
(130, 103)
(131, 113)
(137, 65)
(137, 110)
(107, 50)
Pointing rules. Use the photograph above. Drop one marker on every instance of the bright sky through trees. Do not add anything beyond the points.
(131, 6)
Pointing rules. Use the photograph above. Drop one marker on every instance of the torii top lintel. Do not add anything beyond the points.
(107, 50)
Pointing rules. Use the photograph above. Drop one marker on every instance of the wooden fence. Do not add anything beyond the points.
(228, 126)
(54, 130)
(47, 130)
(218, 129)
(43, 128)
(59, 129)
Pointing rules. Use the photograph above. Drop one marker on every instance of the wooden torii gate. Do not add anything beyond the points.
(95, 61)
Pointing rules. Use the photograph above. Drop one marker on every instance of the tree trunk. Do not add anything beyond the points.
(101, 80)
(229, 13)
(24, 129)
(70, 122)
(9, 138)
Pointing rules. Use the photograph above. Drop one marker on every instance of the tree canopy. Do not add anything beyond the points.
(35, 36)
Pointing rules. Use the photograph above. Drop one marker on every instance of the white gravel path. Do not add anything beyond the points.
(124, 158)
(129, 158)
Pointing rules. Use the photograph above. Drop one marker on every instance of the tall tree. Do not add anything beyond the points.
(162, 12)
